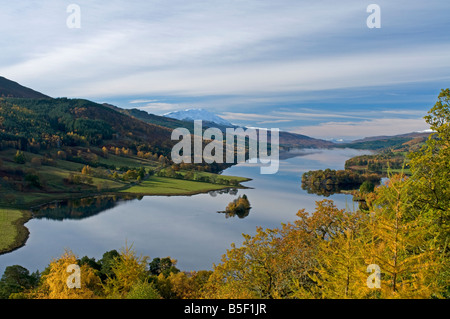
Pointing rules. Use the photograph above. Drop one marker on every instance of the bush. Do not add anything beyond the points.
(19, 158)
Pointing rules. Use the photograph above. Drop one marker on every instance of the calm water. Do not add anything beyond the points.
(187, 228)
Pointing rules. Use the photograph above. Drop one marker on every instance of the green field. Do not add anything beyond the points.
(12, 232)
(170, 186)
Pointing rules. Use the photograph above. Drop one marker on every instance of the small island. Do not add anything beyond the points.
(239, 207)
(327, 182)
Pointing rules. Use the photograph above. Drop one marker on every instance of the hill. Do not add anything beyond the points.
(152, 118)
(10, 88)
(293, 140)
(391, 142)
(36, 124)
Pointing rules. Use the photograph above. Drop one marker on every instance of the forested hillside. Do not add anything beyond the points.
(40, 124)
(10, 88)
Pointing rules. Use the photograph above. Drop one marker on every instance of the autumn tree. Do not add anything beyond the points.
(127, 270)
(249, 271)
(431, 170)
(401, 243)
(55, 281)
(339, 269)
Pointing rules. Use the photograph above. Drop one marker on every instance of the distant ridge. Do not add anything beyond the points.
(382, 142)
(10, 88)
(386, 137)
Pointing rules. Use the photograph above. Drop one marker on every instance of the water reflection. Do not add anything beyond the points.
(326, 189)
(239, 207)
(80, 208)
(231, 191)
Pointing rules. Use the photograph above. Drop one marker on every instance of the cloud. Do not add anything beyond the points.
(203, 48)
(160, 107)
(141, 101)
(259, 58)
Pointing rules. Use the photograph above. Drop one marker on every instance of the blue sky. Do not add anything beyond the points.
(311, 67)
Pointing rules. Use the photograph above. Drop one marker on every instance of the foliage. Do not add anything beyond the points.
(238, 207)
(328, 181)
(143, 290)
(54, 281)
(19, 158)
(127, 270)
(164, 266)
(17, 279)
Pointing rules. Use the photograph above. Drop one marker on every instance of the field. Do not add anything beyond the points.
(12, 231)
(170, 186)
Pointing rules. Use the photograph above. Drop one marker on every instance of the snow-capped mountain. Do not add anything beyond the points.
(197, 114)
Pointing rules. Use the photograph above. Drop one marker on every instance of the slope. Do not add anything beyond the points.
(10, 88)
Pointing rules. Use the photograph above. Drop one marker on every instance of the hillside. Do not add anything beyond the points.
(393, 142)
(293, 140)
(37, 124)
(10, 88)
(152, 118)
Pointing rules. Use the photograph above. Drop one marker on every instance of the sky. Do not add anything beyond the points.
(304, 66)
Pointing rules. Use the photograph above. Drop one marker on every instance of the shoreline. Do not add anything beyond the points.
(23, 233)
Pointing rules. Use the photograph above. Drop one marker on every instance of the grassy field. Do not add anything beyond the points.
(13, 233)
(170, 186)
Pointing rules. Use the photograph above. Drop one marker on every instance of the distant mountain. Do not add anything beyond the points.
(149, 118)
(293, 140)
(10, 88)
(198, 114)
(387, 137)
(394, 142)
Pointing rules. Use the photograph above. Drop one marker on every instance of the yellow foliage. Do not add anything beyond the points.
(55, 285)
(128, 269)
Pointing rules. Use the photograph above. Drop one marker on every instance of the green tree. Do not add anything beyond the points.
(164, 266)
(19, 158)
(366, 187)
(17, 279)
(431, 170)
(127, 270)
(400, 243)
(143, 290)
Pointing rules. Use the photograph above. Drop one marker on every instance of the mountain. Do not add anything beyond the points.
(153, 119)
(393, 142)
(293, 140)
(387, 137)
(10, 88)
(198, 114)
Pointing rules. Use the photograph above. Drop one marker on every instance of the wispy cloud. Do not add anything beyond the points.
(215, 48)
(160, 107)
(254, 60)
(142, 101)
